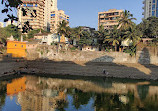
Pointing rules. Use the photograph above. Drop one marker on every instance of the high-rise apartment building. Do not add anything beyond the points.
(150, 8)
(57, 16)
(37, 8)
(109, 19)
(47, 14)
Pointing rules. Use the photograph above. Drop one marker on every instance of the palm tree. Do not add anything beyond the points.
(114, 37)
(132, 35)
(63, 29)
(125, 21)
(100, 35)
(78, 32)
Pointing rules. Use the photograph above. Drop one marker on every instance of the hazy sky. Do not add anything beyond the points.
(85, 12)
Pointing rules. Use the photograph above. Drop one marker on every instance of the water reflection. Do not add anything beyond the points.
(31, 93)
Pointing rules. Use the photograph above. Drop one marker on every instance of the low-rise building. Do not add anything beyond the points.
(90, 48)
(32, 45)
(39, 36)
(16, 48)
(53, 38)
(50, 38)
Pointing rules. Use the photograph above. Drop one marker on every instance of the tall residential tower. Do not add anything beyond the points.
(47, 14)
(150, 8)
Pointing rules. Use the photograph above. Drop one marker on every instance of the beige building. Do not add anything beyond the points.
(109, 19)
(31, 6)
(57, 16)
(47, 14)
(41, 10)
(1, 24)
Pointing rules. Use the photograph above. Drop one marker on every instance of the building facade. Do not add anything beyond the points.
(57, 16)
(16, 48)
(36, 7)
(45, 12)
(108, 19)
(150, 8)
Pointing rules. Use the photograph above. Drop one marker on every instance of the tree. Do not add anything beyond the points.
(100, 35)
(12, 30)
(125, 21)
(78, 32)
(8, 31)
(132, 35)
(114, 38)
(63, 28)
(85, 39)
(149, 27)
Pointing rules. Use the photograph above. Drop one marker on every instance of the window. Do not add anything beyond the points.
(30, 5)
(153, 13)
(101, 14)
(53, 15)
(153, 7)
(15, 44)
(21, 45)
(153, 1)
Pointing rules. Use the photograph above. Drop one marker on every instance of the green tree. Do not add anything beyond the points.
(100, 35)
(12, 30)
(125, 21)
(78, 32)
(132, 35)
(114, 37)
(63, 28)
(149, 27)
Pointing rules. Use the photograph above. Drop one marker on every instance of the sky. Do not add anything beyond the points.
(85, 12)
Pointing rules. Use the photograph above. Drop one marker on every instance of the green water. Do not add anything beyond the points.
(75, 93)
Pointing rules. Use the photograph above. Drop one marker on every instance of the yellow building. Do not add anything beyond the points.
(16, 86)
(109, 19)
(16, 48)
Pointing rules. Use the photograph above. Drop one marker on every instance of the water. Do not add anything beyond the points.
(70, 93)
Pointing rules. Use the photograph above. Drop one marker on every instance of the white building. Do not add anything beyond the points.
(1, 24)
(52, 38)
(150, 8)
(50, 5)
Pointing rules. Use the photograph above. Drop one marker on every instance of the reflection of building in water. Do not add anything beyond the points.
(45, 94)
(44, 100)
(16, 86)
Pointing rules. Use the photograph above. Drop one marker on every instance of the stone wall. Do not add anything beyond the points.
(143, 56)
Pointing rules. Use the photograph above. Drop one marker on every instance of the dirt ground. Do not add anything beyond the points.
(117, 70)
